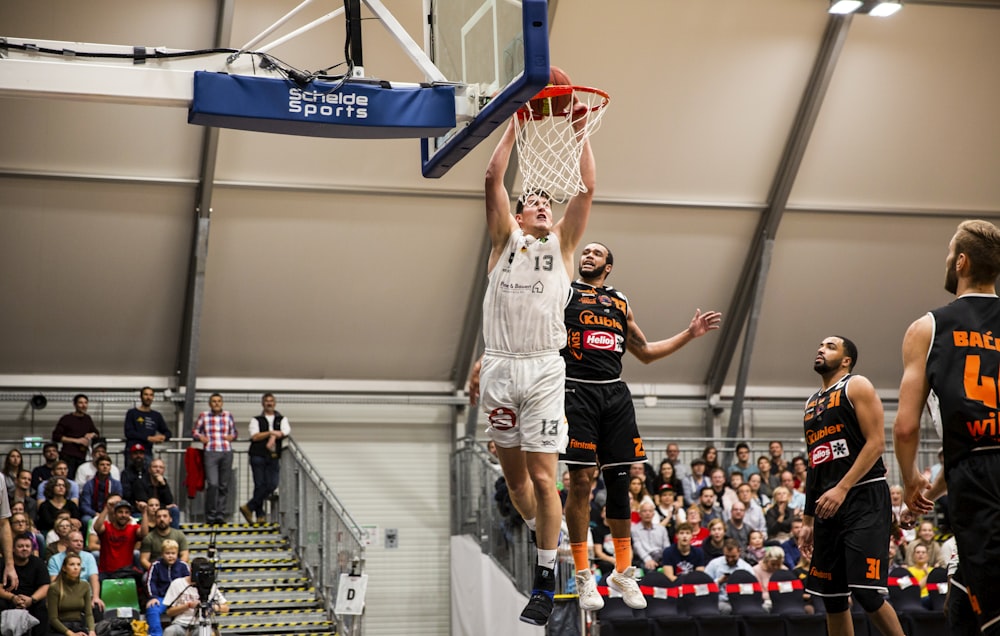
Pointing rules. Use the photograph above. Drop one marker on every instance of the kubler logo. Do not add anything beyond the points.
(599, 340)
(340, 104)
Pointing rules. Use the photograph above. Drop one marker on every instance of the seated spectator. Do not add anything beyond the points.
(925, 537)
(96, 491)
(118, 537)
(649, 539)
(50, 453)
(137, 470)
(736, 527)
(799, 469)
(920, 569)
(61, 469)
(753, 553)
(88, 570)
(182, 600)
(32, 585)
(148, 515)
(12, 465)
(724, 495)
(156, 486)
(774, 560)
(55, 502)
(695, 480)
(52, 536)
(21, 524)
(754, 514)
(722, 566)
(604, 546)
(167, 569)
(87, 471)
(70, 601)
(761, 498)
(22, 494)
(669, 509)
(714, 545)
(667, 476)
(699, 533)
(637, 494)
(798, 500)
(708, 505)
(682, 558)
(62, 530)
(791, 545)
(779, 516)
(152, 543)
(711, 457)
(769, 479)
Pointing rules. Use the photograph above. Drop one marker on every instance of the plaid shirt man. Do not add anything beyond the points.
(216, 426)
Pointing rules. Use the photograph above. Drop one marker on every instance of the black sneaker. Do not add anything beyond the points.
(538, 609)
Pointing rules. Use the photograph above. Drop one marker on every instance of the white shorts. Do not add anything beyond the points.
(524, 399)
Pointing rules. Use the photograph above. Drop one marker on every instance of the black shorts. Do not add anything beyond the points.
(851, 549)
(602, 428)
(974, 509)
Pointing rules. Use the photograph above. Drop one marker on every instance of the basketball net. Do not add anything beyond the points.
(549, 147)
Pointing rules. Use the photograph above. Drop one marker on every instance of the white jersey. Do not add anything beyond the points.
(524, 307)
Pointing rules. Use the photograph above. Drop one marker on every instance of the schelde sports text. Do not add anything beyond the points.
(338, 104)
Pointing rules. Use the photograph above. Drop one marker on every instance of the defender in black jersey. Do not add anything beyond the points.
(600, 327)
(848, 513)
(953, 352)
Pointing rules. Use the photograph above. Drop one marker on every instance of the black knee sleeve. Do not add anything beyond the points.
(836, 604)
(869, 599)
(616, 480)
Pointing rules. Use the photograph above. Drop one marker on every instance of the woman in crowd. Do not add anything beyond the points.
(799, 468)
(711, 457)
(754, 551)
(925, 537)
(920, 569)
(56, 500)
(637, 493)
(667, 476)
(12, 465)
(70, 601)
(779, 515)
(769, 478)
(756, 484)
(21, 523)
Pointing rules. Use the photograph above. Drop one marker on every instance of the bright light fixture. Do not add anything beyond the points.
(843, 7)
(884, 9)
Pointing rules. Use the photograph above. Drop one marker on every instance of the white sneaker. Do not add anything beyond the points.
(586, 587)
(625, 584)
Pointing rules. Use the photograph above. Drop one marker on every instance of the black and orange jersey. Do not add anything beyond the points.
(833, 441)
(596, 328)
(963, 369)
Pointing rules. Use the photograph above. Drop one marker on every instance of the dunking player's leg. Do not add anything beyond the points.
(542, 469)
(519, 484)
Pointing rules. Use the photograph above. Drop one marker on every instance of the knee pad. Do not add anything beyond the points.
(616, 480)
(836, 604)
(869, 599)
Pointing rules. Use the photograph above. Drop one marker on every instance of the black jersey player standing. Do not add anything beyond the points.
(600, 327)
(848, 512)
(953, 351)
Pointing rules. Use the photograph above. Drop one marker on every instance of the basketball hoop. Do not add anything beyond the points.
(548, 146)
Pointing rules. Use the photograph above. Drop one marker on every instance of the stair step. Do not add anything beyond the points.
(292, 584)
(263, 543)
(240, 604)
(267, 596)
(282, 617)
(317, 629)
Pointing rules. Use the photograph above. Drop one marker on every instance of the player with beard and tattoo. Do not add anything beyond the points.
(848, 513)
(952, 352)
(600, 327)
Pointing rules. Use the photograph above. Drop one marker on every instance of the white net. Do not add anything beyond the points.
(549, 146)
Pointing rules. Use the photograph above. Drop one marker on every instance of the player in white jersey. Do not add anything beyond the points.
(523, 375)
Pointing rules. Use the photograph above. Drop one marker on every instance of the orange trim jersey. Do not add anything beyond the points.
(525, 297)
(963, 369)
(833, 441)
(596, 329)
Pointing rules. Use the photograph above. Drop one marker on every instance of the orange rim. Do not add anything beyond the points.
(555, 90)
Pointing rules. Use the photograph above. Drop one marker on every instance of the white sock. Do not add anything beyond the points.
(547, 558)
(530, 523)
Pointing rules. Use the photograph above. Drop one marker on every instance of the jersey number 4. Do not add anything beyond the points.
(979, 387)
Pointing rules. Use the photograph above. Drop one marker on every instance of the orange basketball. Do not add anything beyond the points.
(556, 104)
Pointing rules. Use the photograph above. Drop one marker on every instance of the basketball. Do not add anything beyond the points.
(558, 104)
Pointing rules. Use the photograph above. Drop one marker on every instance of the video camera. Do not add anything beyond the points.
(203, 578)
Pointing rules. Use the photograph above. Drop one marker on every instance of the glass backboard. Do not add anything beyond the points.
(498, 51)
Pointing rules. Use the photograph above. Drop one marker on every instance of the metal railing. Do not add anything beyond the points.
(324, 536)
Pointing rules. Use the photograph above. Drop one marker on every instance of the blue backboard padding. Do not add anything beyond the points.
(502, 107)
(355, 110)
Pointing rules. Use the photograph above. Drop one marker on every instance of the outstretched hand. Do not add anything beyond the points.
(702, 323)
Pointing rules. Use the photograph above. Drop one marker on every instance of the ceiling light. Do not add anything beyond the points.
(842, 7)
(884, 9)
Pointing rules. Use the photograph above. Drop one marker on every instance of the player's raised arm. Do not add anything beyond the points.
(499, 221)
(648, 352)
